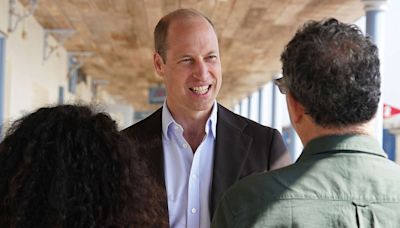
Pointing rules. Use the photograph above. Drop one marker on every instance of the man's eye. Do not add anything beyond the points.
(186, 61)
(212, 57)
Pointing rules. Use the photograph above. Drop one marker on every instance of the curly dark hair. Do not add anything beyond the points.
(332, 69)
(67, 166)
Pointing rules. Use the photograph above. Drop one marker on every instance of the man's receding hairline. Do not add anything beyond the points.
(186, 13)
(177, 16)
(192, 17)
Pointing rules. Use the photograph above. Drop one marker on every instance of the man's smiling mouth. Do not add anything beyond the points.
(200, 89)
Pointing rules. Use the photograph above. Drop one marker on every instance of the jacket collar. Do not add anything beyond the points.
(167, 120)
(342, 143)
(231, 151)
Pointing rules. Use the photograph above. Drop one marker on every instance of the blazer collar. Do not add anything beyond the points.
(231, 150)
(230, 153)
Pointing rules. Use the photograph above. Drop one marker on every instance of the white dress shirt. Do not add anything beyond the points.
(188, 175)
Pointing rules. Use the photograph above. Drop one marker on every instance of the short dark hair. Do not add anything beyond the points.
(161, 29)
(332, 69)
(67, 166)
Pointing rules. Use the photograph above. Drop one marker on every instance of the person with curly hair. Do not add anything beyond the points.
(343, 178)
(67, 166)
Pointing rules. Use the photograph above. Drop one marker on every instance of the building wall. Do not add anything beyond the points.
(32, 82)
(3, 15)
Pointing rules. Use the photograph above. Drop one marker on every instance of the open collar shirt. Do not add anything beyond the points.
(188, 174)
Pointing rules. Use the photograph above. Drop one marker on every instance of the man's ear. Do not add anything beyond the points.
(297, 111)
(158, 64)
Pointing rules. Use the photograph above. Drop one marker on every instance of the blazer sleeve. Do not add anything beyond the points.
(279, 156)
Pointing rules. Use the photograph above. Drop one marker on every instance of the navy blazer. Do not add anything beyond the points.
(242, 147)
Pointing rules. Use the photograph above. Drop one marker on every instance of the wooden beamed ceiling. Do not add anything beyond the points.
(252, 34)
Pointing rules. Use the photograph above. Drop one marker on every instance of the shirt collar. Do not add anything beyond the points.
(358, 143)
(167, 120)
(212, 120)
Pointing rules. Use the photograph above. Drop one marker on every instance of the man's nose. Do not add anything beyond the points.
(201, 70)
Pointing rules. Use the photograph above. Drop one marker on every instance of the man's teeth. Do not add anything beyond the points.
(200, 89)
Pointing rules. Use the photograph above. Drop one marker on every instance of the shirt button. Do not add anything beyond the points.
(194, 176)
(194, 210)
(176, 127)
(185, 145)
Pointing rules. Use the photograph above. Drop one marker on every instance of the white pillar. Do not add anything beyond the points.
(254, 106)
(265, 104)
(277, 100)
(261, 105)
(295, 144)
(236, 108)
(375, 28)
(249, 106)
(244, 107)
(396, 132)
(2, 82)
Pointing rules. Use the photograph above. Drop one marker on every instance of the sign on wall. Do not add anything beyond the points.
(157, 95)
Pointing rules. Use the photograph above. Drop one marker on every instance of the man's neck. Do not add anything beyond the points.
(317, 131)
(193, 124)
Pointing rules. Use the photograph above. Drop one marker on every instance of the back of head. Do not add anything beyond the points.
(332, 69)
(63, 166)
(161, 29)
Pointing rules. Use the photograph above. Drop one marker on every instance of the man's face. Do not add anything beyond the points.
(192, 70)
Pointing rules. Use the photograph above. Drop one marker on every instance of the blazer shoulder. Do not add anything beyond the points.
(245, 124)
(149, 126)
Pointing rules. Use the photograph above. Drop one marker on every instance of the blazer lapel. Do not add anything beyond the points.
(231, 151)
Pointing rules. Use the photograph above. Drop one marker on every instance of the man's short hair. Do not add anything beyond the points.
(332, 69)
(161, 29)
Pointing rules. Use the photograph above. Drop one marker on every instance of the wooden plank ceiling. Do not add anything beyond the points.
(252, 34)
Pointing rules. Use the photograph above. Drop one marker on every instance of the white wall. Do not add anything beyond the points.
(122, 114)
(3, 15)
(31, 82)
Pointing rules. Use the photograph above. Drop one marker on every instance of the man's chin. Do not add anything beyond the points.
(201, 107)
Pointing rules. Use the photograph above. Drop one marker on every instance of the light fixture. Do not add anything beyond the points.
(15, 17)
(61, 34)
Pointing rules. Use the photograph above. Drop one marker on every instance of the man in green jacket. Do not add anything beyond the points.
(343, 178)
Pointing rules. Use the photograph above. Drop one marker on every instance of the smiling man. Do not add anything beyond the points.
(195, 147)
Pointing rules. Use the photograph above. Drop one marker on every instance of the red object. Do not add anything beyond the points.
(389, 111)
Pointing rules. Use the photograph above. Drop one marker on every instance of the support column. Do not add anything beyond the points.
(255, 108)
(236, 108)
(261, 105)
(2, 76)
(395, 130)
(249, 106)
(295, 145)
(375, 28)
(276, 109)
(240, 107)
(244, 111)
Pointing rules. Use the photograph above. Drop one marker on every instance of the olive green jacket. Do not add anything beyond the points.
(338, 181)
